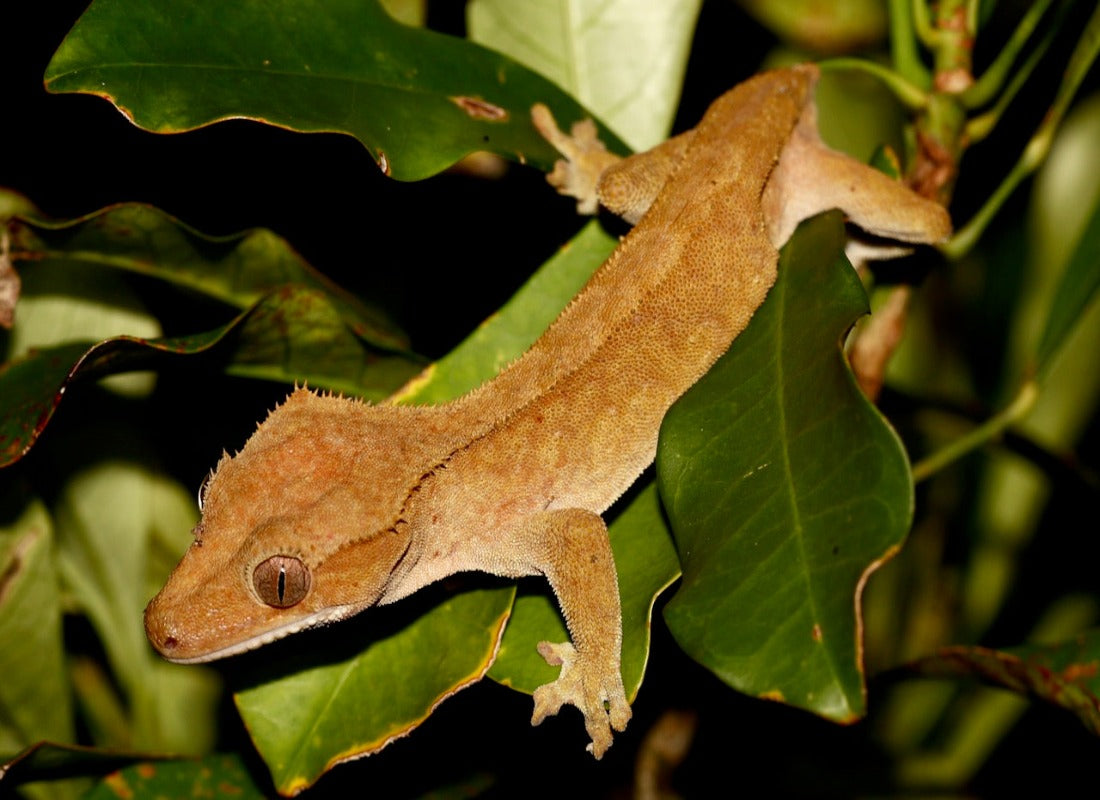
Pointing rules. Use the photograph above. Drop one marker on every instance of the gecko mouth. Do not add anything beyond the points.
(179, 650)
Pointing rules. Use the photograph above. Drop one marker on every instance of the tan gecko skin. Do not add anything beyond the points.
(333, 505)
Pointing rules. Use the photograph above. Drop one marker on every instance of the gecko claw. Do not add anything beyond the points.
(585, 158)
(582, 684)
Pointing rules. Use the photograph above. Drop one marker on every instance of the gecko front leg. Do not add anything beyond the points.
(570, 547)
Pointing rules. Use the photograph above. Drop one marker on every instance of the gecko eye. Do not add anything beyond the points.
(281, 581)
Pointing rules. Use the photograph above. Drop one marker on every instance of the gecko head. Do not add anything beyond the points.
(298, 529)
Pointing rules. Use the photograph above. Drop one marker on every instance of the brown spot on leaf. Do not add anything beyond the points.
(817, 633)
(480, 109)
(1079, 672)
(383, 163)
(118, 786)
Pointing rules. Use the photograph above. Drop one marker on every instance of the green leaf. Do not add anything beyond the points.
(236, 270)
(622, 60)
(465, 627)
(785, 489)
(834, 26)
(34, 693)
(1076, 290)
(51, 762)
(213, 776)
(644, 559)
(417, 99)
(340, 700)
(61, 306)
(1065, 674)
(510, 331)
(108, 516)
(290, 335)
(14, 204)
(646, 562)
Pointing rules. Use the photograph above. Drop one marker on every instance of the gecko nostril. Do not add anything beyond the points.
(169, 643)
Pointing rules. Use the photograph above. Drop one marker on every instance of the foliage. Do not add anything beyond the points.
(779, 487)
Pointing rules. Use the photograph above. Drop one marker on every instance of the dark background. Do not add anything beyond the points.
(439, 255)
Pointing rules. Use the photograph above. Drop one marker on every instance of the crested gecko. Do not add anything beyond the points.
(333, 505)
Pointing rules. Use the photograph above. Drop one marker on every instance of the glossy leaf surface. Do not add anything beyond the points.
(417, 99)
(785, 489)
(370, 682)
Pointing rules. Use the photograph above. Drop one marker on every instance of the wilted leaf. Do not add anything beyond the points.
(785, 489)
(417, 99)
(290, 335)
(236, 270)
(1066, 674)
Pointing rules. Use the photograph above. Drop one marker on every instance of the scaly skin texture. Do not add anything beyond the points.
(334, 506)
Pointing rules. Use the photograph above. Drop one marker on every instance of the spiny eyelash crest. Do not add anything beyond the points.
(202, 488)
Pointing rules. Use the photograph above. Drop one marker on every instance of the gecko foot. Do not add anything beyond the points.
(586, 158)
(584, 684)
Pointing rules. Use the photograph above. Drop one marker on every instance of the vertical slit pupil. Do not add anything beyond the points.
(282, 583)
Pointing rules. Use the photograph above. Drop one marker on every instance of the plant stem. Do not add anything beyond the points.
(994, 77)
(922, 23)
(981, 126)
(903, 44)
(954, 45)
(1084, 54)
(908, 94)
(982, 434)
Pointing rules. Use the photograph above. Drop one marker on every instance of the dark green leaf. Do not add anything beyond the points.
(510, 331)
(236, 270)
(417, 99)
(785, 489)
(348, 700)
(1066, 674)
(50, 761)
(1076, 290)
(212, 776)
(462, 628)
(290, 335)
(646, 563)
